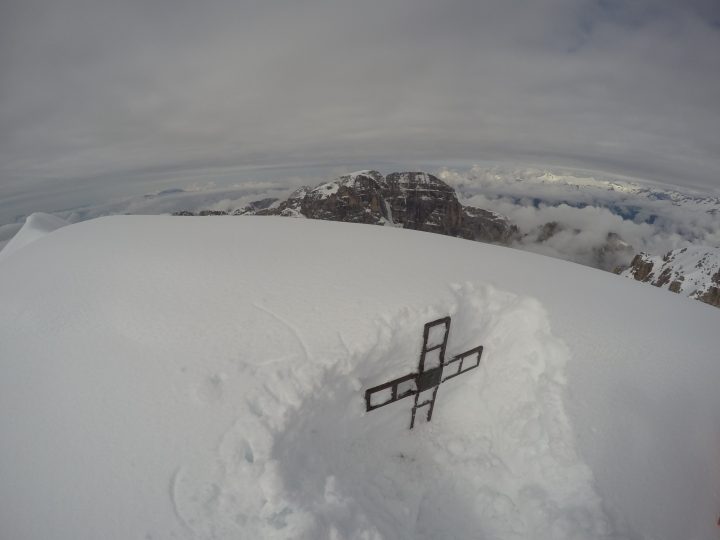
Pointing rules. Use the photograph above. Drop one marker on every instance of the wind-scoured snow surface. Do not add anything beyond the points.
(195, 378)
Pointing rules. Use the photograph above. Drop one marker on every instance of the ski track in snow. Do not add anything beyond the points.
(174, 498)
(291, 327)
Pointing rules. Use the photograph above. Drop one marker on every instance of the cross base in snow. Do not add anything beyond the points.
(425, 383)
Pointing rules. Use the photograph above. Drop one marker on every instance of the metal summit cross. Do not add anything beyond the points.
(425, 383)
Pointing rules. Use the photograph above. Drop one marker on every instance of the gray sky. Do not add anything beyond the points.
(124, 95)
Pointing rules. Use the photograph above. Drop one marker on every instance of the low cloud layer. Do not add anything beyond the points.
(589, 210)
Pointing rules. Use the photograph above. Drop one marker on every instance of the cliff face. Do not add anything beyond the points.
(422, 202)
(692, 271)
(355, 198)
(412, 200)
(479, 224)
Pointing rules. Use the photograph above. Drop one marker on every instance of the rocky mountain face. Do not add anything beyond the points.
(412, 200)
(692, 271)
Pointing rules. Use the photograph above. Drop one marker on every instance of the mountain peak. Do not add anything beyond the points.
(411, 200)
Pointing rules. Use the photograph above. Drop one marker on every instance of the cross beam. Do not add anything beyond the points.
(425, 383)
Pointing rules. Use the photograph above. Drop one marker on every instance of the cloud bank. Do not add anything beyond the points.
(107, 93)
(588, 210)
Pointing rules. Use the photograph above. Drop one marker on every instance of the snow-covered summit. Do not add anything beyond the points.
(204, 378)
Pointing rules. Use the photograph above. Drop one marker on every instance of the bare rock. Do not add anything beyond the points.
(691, 271)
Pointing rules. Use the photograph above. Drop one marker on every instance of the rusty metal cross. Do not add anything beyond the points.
(425, 383)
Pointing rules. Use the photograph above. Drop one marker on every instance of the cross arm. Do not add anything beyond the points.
(462, 365)
(390, 392)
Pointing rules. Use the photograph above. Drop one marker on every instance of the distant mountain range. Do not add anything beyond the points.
(644, 202)
(421, 201)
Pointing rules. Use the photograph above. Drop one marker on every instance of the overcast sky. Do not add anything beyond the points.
(125, 93)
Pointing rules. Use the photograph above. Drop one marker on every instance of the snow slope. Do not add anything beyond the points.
(196, 378)
(36, 226)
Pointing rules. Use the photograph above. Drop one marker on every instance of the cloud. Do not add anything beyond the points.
(144, 92)
(590, 209)
(196, 198)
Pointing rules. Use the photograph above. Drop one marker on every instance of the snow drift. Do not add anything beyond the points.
(182, 378)
(36, 226)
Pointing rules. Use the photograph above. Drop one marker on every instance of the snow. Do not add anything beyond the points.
(36, 226)
(590, 182)
(388, 210)
(420, 178)
(325, 190)
(193, 378)
(693, 267)
(353, 176)
(7, 231)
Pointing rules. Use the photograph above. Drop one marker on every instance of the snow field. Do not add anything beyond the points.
(181, 378)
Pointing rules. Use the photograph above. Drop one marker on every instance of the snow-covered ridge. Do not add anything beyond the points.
(691, 271)
(204, 378)
(36, 226)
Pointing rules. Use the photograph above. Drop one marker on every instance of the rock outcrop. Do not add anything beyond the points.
(412, 200)
(692, 271)
(255, 206)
